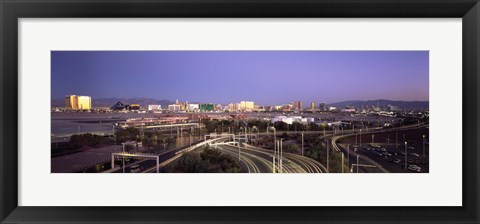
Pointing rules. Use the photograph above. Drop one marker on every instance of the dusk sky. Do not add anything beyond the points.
(265, 77)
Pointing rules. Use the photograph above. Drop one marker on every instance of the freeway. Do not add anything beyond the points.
(253, 159)
(302, 163)
(261, 160)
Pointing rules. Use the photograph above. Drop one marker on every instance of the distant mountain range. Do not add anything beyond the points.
(382, 102)
(108, 102)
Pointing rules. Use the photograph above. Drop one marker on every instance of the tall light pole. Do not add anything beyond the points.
(302, 144)
(405, 155)
(123, 157)
(357, 163)
(239, 156)
(423, 146)
(396, 138)
(373, 137)
(274, 145)
(273, 157)
(246, 136)
(348, 156)
(281, 155)
(328, 156)
(360, 137)
(274, 137)
(113, 131)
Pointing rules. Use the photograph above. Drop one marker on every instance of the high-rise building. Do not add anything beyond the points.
(154, 107)
(297, 105)
(174, 107)
(74, 102)
(134, 106)
(312, 106)
(321, 106)
(193, 107)
(206, 107)
(247, 105)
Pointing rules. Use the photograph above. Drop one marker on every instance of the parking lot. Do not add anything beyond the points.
(390, 155)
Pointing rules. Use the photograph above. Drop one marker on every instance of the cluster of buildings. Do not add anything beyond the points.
(74, 102)
(191, 107)
(291, 119)
(83, 103)
(122, 106)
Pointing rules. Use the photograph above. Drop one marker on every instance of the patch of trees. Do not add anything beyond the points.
(82, 140)
(318, 151)
(207, 160)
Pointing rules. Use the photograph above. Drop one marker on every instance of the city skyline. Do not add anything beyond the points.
(265, 77)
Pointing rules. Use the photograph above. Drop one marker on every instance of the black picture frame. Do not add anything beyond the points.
(11, 11)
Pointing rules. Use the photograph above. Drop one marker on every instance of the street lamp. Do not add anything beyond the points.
(357, 163)
(274, 145)
(348, 155)
(360, 137)
(423, 146)
(302, 143)
(405, 155)
(281, 156)
(396, 138)
(123, 157)
(328, 156)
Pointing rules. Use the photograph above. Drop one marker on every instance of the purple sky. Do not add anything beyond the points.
(266, 77)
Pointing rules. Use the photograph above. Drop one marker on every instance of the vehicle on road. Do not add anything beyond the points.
(414, 168)
(135, 169)
(414, 154)
(397, 161)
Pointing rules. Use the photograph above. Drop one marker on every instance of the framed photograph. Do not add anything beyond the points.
(247, 112)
